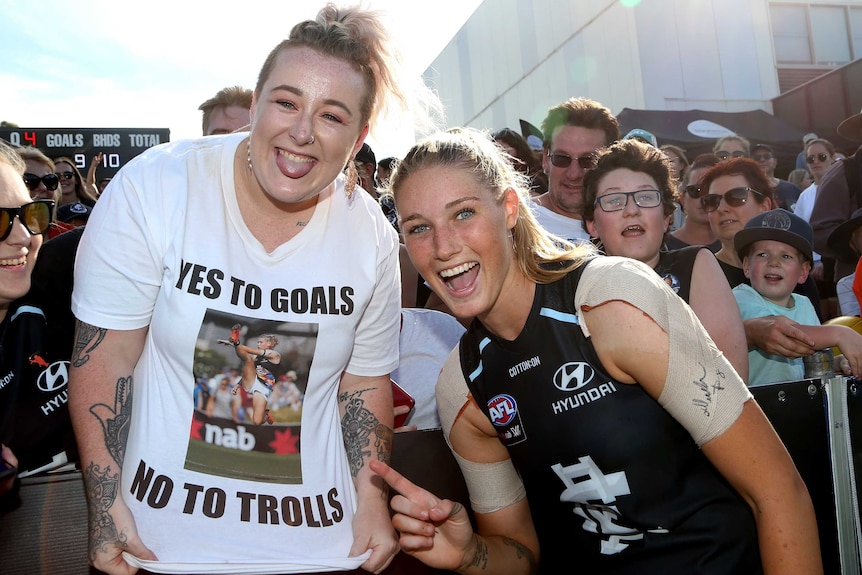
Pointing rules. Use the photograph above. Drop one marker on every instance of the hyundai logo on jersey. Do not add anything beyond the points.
(504, 415)
(54, 377)
(573, 376)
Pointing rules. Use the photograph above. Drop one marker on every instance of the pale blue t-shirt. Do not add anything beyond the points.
(764, 367)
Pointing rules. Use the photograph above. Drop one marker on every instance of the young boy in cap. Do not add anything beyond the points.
(776, 252)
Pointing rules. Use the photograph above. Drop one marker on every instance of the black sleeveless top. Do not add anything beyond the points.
(675, 267)
(615, 484)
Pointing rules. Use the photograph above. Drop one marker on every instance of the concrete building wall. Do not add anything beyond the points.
(514, 59)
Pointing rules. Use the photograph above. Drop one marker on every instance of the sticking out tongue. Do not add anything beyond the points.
(464, 280)
(294, 166)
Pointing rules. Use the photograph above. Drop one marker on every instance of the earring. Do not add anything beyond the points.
(352, 179)
(512, 236)
(248, 155)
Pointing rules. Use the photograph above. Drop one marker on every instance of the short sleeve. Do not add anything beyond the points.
(118, 268)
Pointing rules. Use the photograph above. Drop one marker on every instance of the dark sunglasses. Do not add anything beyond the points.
(51, 181)
(822, 157)
(733, 198)
(763, 156)
(564, 160)
(722, 155)
(36, 217)
(693, 191)
(65, 176)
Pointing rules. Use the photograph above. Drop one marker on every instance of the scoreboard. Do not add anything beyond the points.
(117, 145)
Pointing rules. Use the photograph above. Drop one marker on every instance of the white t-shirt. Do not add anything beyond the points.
(427, 338)
(805, 205)
(848, 303)
(765, 367)
(565, 227)
(167, 247)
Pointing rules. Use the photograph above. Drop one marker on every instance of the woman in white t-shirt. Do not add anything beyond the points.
(819, 155)
(262, 230)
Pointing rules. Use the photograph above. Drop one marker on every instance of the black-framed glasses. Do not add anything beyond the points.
(821, 156)
(51, 181)
(763, 156)
(693, 191)
(733, 198)
(65, 176)
(722, 155)
(619, 200)
(587, 162)
(35, 216)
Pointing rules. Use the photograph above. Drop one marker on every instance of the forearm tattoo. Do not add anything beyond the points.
(522, 552)
(480, 554)
(358, 426)
(115, 420)
(102, 489)
(87, 339)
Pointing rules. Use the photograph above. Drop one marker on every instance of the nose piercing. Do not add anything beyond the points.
(311, 141)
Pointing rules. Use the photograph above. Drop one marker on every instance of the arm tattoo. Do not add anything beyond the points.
(358, 425)
(87, 339)
(102, 490)
(115, 420)
(522, 552)
(480, 555)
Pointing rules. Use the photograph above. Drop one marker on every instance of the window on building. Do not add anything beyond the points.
(856, 30)
(790, 34)
(820, 35)
(829, 34)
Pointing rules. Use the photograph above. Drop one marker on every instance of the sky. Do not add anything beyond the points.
(150, 64)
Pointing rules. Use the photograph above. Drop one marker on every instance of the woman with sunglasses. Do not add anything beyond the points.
(569, 403)
(39, 175)
(628, 203)
(43, 183)
(72, 186)
(39, 438)
(695, 230)
(738, 190)
(263, 229)
(819, 157)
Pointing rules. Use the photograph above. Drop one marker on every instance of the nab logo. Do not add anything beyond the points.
(503, 410)
(54, 377)
(573, 376)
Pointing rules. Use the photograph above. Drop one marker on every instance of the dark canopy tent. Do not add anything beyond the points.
(696, 131)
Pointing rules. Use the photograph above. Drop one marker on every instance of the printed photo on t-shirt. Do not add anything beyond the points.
(250, 377)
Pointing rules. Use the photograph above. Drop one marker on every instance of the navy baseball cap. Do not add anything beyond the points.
(779, 225)
(69, 212)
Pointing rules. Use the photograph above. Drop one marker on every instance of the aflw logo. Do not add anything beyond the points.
(573, 376)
